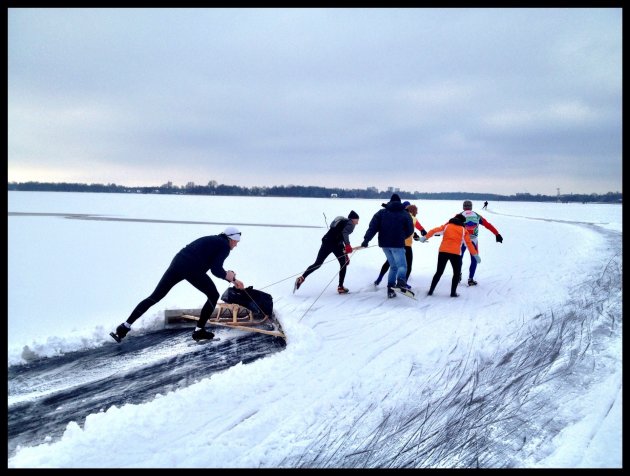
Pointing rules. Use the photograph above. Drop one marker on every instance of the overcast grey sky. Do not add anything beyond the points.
(431, 100)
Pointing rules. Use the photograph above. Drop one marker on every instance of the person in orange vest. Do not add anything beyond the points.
(454, 234)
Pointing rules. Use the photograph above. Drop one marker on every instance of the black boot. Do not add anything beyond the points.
(202, 334)
(121, 332)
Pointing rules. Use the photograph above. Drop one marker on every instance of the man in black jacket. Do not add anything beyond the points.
(191, 264)
(336, 241)
(393, 224)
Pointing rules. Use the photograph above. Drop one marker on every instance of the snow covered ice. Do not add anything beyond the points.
(522, 371)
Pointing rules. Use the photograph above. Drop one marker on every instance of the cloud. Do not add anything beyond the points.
(345, 97)
(561, 114)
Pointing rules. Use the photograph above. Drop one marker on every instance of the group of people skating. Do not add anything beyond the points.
(395, 223)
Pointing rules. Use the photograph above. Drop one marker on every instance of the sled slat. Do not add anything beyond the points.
(236, 326)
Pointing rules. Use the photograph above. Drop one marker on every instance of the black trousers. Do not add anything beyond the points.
(338, 249)
(456, 263)
(179, 270)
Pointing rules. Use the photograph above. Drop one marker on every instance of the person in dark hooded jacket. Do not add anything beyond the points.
(394, 225)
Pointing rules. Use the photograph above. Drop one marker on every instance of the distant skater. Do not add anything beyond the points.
(335, 241)
(485, 205)
(191, 264)
(454, 234)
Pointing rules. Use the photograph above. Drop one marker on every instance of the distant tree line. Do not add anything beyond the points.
(213, 188)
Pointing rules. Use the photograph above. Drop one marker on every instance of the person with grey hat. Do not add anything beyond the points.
(335, 241)
(472, 222)
(394, 225)
(192, 264)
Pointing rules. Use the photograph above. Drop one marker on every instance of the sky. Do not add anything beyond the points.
(488, 100)
(528, 363)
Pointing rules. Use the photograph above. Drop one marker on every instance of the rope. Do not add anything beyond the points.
(300, 273)
(297, 274)
(331, 280)
(325, 287)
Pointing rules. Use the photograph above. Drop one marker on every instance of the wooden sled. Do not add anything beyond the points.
(228, 315)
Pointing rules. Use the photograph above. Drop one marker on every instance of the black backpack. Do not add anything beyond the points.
(259, 302)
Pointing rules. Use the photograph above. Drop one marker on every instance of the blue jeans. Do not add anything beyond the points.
(473, 261)
(397, 266)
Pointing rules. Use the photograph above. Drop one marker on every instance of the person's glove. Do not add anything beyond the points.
(477, 258)
(499, 238)
(423, 232)
(422, 239)
(415, 236)
(364, 244)
(348, 249)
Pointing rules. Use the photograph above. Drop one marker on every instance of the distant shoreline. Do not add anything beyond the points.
(294, 191)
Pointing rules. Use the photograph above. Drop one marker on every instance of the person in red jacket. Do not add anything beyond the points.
(454, 234)
(473, 220)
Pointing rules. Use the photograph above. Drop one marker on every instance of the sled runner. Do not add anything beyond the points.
(245, 309)
(237, 317)
(225, 312)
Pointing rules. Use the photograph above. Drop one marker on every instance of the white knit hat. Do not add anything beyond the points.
(232, 233)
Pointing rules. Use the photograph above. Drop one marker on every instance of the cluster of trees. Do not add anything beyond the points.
(213, 188)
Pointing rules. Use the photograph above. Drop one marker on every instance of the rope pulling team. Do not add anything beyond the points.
(394, 223)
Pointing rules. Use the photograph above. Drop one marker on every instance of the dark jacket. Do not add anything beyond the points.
(339, 231)
(393, 224)
(207, 253)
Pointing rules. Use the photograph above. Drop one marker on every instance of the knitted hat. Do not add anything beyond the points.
(406, 204)
(353, 215)
(467, 205)
(232, 233)
(459, 218)
(395, 198)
